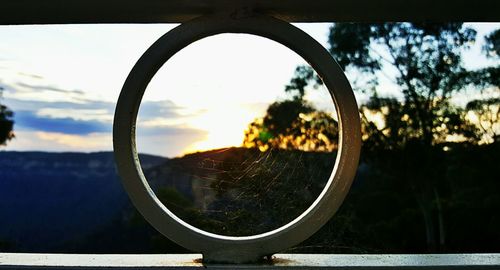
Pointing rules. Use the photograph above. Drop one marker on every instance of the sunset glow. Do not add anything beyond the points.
(222, 133)
(62, 82)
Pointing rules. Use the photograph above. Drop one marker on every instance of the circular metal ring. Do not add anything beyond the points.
(229, 248)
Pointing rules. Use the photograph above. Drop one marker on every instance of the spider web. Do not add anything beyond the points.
(241, 191)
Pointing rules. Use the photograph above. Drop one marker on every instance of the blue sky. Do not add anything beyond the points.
(62, 81)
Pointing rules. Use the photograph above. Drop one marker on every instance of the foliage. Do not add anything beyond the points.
(381, 215)
(492, 46)
(303, 77)
(293, 124)
(486, 115)
(386, 124)
(426, 60)
(6, 123)
(6, 246)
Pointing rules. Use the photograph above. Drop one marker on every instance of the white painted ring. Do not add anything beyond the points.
(229, 248)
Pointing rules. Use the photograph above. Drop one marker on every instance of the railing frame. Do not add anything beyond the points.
(13, 261)
(177, 11)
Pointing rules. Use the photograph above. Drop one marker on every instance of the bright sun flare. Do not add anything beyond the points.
(225, 126)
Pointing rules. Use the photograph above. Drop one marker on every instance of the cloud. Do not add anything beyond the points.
(80, 123)
(47, 93)
(164, 109)
(17, 104)
(92, 116)
(149, 109)
(163, 145)
(77, 114)
(29, 120)
(93, 141)
(49, 88)
(26, 140)
(32, 76)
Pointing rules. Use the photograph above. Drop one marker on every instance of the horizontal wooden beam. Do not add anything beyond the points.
(176, 11)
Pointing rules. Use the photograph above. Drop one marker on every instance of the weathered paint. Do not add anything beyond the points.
(280, 261)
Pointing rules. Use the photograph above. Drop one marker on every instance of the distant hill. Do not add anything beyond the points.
(74, 202)
(50, 199)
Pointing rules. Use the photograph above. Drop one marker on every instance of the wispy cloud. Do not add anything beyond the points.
(164, 109)
(102, 115)
(41, 92)
(49, 88)
(82, 143)
(60, 142)
(81, 123)
(32, 76)
(29, 120)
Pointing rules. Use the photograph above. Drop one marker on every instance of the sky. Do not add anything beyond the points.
(63, 81)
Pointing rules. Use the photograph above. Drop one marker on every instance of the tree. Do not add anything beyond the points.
(424, 61)
(293, 125)
(386, 124)
(485, 114)
(492, 46)
(6, 123)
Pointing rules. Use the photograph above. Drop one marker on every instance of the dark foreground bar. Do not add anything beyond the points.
(175, 11)
(280, 261)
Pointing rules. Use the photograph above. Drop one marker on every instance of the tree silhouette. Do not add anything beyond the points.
(486, 115)
(294, 125)
(6, 123)
(424, 61)
(492, 46)
(395, 129)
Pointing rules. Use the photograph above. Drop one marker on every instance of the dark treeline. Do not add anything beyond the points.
(6, 122)
(388, 209)
(423, 154)
(417, 200)
(428, 173)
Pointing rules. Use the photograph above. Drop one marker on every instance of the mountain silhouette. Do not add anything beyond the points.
(49, 199)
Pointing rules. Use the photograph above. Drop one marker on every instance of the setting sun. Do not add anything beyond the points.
(224, 125)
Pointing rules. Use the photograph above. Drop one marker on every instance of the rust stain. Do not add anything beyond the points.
(199, 260)
(272, 260)
(195, 262)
